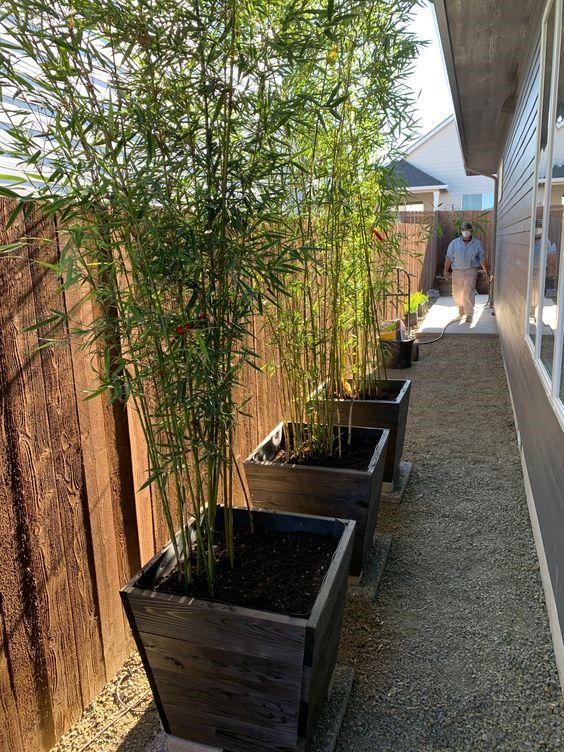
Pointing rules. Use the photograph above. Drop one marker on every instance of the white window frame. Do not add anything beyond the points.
(551, 383)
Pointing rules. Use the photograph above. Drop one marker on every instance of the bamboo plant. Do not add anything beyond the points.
(158, 136)
(345, 198)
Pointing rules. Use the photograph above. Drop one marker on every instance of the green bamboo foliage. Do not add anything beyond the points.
(344, 201)
(163, 136)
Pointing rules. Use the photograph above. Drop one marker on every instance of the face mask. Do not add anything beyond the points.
(466, 233)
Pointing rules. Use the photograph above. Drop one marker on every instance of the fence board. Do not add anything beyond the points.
(33, 459)
(99, 495)
(64, 432)
(10, 733)
(143, 500)
(21, 670)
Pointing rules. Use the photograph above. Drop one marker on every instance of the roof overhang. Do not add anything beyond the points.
(485, 44)
(426, 188)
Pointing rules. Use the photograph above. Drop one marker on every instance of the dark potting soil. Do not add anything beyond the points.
(354, 457)
(386, 395)
(273, 571)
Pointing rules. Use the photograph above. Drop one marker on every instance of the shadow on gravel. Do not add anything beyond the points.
(146, 736)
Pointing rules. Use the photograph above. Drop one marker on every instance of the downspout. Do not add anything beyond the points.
(495, 178)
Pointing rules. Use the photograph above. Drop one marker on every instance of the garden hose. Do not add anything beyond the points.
(436, 339)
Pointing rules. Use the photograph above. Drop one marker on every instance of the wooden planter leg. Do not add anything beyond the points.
(393, 493)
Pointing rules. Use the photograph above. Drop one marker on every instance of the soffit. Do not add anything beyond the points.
(486, 44)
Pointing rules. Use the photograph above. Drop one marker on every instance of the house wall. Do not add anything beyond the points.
(540, 434)
(441, 156)
(425, 198)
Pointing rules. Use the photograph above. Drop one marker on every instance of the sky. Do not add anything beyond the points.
(429, 80)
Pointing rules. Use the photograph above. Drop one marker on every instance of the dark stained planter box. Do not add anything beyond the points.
(235, 678)
(327, 491)
(390, 414)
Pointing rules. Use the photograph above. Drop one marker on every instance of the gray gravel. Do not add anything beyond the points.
(456, 654)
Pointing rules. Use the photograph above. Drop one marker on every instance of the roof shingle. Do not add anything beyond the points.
(413, 176)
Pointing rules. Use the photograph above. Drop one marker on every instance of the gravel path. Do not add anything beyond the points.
(456, 654)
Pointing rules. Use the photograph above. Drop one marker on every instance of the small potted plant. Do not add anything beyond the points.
(414, 309)
(423, 304)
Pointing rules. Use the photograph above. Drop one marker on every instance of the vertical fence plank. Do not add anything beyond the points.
(143, 500)
(10, 733)
(22, 670)
(33, 455)
(116, 422)
(99, 495)
(57, 370)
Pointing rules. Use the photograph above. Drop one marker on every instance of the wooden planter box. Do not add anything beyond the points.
(327, 491)
(235, 678)
(390, 414)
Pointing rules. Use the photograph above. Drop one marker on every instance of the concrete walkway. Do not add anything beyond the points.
(445, 310)
(456, 654)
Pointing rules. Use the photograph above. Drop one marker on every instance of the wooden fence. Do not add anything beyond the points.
(67, 524)
(73, 528)
(419, 244)
(443, 227)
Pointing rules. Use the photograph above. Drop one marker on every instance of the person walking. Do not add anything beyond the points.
(465, 255)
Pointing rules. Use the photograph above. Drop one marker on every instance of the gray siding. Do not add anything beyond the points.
(541, 435)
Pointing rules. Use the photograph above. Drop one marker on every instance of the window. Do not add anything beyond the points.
(413, 207)
(477, 201)
(487, 201)
(545, 320)
(471, 201)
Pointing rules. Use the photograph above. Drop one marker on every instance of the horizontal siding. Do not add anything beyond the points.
(441, 157)
(543, 449)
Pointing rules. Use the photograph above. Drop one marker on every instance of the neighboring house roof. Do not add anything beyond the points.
(416, 178)
(484, 44)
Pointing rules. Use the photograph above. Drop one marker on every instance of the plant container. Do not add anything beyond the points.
(411, 319)
(234, 678)
(322, 489)
(388, 411)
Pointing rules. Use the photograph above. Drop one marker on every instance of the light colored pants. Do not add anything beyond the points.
(464, 289)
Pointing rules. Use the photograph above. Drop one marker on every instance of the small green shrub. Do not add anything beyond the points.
(415, 300)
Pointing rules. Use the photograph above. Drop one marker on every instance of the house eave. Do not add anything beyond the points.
(426, 188)
(484, 45)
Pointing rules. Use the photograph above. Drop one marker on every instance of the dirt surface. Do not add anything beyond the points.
(354, 456)
(274, 571)
(456, 654)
